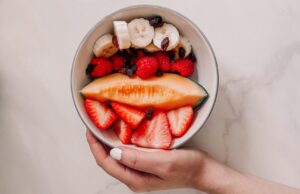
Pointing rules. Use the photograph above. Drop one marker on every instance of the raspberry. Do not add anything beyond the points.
(183, 66)
(103, 67)
(140, 53)
(137, 54)
(163, 60)
(118, 62)
(146, 67)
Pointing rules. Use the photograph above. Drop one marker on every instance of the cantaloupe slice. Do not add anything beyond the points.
(166, 92)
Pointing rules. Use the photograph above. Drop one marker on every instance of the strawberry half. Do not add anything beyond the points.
(130, 115)
(154, 133)
(101, 115)
(180, 120)
(123, 131)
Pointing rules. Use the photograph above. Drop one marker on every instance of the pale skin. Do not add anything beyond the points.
(148, 171)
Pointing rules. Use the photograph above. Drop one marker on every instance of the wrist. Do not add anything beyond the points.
(214, 177)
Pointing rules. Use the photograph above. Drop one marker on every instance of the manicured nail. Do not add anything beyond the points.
(116, 153)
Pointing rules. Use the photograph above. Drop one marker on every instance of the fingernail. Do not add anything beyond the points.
(116, 153)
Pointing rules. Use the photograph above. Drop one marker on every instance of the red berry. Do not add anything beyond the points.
(163, 60)
(184, 67)
(146, 67)
(118, 62)
(102, 116)
(140, 54)
(136, 56)
(103, 67)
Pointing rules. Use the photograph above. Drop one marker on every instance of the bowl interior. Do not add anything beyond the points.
(206, 72)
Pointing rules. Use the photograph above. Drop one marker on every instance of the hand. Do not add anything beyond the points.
(157, 170)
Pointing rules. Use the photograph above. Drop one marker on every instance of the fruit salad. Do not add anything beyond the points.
(140, 85)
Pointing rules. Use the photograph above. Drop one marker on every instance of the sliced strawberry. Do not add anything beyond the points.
(180, 120)
(101, 115)
(123, 131)
(154, 133)
(130, 115)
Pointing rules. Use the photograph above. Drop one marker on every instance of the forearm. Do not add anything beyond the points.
(219, 179)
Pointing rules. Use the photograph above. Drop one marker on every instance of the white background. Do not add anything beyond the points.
(255, 126)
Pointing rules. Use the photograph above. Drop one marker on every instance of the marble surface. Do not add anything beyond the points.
(255, 126)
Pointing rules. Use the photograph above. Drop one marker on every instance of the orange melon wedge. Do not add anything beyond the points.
(166, 92)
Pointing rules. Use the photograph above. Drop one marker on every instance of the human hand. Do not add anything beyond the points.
(157, 170)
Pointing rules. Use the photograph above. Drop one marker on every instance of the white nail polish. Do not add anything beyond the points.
(116, 153)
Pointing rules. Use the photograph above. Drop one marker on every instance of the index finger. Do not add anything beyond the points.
(110, 165)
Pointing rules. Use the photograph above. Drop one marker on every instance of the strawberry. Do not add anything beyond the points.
(117, 62)
(103, 67)
(180, 120)
(154, 133)
(146, 67)
(163, 60)
(101, 115)
(123, 131)
(130, 115)
(183, 66)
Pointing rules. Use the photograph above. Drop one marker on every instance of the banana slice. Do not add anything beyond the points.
(185, 44)
(104, 46)
(141, 32)
(151, 48)
(167, 30)
(122, 34)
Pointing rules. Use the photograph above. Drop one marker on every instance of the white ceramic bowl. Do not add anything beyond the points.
(206, 72)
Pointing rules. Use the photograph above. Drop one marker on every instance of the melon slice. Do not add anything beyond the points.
(166, 92)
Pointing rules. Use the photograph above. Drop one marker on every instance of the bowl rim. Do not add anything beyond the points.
(144, 6)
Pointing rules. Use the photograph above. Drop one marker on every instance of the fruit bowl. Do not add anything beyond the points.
(206, 71)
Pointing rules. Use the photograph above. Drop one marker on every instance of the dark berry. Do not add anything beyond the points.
(130, 72)
(159, 73)
(107, 103)
(156, 21)
(149, 113)
(192, 57)
(133, 68)
(171, 55)
(123, 70)
(133, 53)
(165, 43)
(127, 65)
(126, 55)
(181, 52)
(89, 69)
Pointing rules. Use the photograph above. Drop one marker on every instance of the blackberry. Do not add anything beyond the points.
(129, 72)
(171, 55)
(89, 69)
(149, 113)
(133, 67)
(107, 104)
(156, 21)
(159, 73)
(181, 52)
(192, 57)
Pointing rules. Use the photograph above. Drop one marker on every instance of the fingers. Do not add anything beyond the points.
(107, 163)
(135, 180)
(150, 162)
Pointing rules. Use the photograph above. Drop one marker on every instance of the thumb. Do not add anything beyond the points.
(151, 162)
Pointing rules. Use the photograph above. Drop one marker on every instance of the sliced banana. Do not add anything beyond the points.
(151, 48)
(167, 30)
(122, 34)
(104, 46)
(141, 32)
(185, 44)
